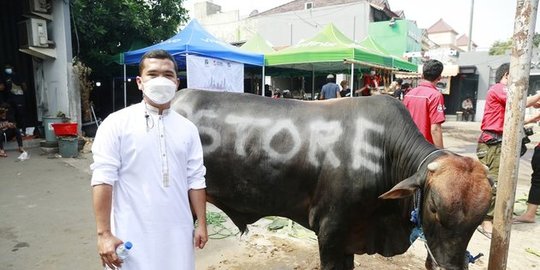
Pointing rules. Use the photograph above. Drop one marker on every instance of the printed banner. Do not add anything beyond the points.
(214, 74)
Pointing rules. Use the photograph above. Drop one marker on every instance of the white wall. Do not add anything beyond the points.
(223, 25)
(55, 87)
(291, 27)
(446, 38)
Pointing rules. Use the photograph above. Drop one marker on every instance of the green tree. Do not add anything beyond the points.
(500, 47)
(101, 29)
(536, 40)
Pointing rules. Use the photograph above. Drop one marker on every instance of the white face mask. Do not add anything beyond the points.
(160, 90)
(372, 72)
(8, 70)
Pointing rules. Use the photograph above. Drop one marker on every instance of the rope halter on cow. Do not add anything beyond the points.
(418, 232)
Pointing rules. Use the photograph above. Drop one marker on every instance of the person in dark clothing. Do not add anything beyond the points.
(533, 200)
(267, 92)
(345, 90)
(398, 91)
(12, 89)
(8, 130)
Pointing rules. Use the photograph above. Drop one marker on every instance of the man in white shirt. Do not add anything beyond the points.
(147, 172)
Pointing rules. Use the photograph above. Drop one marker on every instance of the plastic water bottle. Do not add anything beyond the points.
(122, 251)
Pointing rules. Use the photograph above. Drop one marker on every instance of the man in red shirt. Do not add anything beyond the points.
(426, 104)
(489, 143)
(371, 81)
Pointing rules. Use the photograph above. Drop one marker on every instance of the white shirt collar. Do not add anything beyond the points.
(153, 110)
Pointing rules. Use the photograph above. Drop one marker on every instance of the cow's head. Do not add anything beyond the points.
(456, 197)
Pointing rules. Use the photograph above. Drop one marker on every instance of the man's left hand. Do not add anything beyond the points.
(200, 236)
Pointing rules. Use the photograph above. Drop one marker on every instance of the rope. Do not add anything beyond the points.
(472, 259)
(219, 230)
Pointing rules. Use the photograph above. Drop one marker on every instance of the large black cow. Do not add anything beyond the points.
(325, 165)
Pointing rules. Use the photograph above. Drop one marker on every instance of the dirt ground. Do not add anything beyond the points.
(47, 222)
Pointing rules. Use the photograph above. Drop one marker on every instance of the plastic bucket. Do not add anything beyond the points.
(65, 129)
(68, 146)
(49, 130)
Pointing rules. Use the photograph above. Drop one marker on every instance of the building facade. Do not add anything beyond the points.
(36, 40)
(294, 21)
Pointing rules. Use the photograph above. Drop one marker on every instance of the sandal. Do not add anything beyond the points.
(3, 154)
(481, 230)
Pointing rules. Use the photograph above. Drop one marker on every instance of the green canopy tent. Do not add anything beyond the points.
(329, 50)
(397, 63)
(258, 44)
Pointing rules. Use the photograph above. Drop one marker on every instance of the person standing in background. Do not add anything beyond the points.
(345, 90)
(533, 200)
(426, 104)
(396, 89)
(489, 145)
(148, 177)
(330, 89)
(371, 83)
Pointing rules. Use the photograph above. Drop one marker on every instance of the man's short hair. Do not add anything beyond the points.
(432, 70)
(158, 54)
(501, 71)
(399, 81)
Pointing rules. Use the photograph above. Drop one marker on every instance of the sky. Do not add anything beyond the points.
(493, 20)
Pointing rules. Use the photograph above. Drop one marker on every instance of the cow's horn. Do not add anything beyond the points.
(486, 167)
(433, 166)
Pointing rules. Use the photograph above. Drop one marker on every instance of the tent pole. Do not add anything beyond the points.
(263, 87)
(125, 86)
(352, 79)
(303, 87)
(312, 83)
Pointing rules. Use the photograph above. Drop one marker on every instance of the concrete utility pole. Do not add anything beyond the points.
(513, 124)
(469, 44)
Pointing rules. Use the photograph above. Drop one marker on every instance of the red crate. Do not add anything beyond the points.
(65, 129)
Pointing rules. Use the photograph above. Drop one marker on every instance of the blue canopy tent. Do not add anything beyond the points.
(194, 39)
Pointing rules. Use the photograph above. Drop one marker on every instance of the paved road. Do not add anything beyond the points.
(45, 206)
(46, 216)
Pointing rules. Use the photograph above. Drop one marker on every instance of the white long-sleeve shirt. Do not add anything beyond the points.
(151, 162)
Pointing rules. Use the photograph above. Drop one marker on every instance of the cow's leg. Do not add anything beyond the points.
(332, 241)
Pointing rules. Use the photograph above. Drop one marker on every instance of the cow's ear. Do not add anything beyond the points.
(403, 189)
